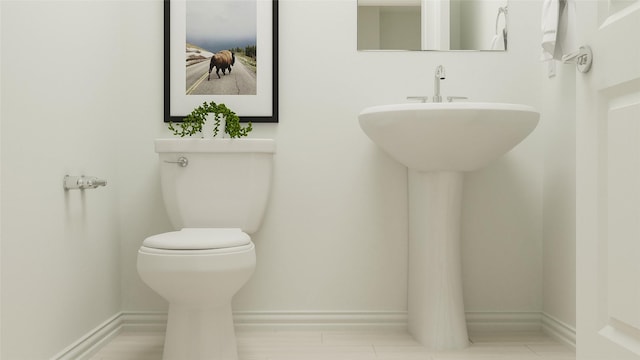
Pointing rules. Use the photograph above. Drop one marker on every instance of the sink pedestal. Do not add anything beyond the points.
(435, 303)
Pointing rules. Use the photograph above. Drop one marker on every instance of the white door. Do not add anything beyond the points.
(608, 182)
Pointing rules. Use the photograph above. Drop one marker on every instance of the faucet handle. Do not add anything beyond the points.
(423, 99)
(451, 98)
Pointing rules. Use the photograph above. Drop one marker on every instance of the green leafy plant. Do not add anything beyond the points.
(193, 123)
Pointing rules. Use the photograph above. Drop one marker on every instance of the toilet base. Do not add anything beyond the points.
(200, 334)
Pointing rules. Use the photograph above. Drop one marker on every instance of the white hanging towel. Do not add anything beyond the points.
(497, 43)
(567, 27)
(558, 24)
(550, 20)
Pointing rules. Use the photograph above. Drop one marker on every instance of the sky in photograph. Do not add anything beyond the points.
(221, 24)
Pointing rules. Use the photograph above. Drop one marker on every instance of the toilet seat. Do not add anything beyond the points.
(198, 239)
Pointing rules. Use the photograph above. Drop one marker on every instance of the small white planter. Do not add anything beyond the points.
(210, 124)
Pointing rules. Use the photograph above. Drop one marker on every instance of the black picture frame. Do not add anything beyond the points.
(264, 115)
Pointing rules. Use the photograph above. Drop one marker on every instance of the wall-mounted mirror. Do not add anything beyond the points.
(432, 25)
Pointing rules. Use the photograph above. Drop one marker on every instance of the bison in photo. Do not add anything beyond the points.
(222, 60)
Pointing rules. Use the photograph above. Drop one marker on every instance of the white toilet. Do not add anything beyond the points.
(215, 192)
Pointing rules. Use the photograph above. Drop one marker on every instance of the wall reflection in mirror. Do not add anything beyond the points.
(432, 25)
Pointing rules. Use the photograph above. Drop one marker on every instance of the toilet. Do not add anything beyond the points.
(215, 192)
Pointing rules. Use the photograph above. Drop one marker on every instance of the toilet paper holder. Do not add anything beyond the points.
(82, 182)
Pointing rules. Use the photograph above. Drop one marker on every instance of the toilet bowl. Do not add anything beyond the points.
(198, 271)
(215, 193)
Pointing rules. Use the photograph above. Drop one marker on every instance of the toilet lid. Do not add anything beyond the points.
(198, 239)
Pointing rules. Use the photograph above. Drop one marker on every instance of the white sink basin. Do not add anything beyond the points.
(461, 136)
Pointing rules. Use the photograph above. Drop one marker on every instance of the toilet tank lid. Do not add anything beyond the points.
(198, 239)
(194, 145)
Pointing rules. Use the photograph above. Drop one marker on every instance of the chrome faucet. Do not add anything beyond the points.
(439, 75)
(437, 97)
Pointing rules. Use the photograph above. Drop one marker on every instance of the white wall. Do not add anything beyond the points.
(559, 275)
(60, 104)
(335, 235)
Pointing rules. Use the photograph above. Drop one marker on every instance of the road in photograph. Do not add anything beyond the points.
(241, 80)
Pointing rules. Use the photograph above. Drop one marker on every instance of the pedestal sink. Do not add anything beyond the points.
(438, 142)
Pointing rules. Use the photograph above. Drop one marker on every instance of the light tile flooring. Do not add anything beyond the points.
(351, 345)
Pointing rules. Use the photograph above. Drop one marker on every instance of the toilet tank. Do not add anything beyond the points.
(225, 183)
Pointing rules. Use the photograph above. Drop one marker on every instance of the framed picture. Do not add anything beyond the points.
(224, 51)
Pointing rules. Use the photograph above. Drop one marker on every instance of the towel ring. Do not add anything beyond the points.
(502, 10)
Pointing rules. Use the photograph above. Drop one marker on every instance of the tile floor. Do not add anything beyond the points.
(351, 345)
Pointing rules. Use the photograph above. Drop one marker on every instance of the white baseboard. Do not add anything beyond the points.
(522, 321)
(503, 321)
(252, 320)
(92, 341)
(152, 321)
(88, 345)
(281, 320)
(559, 330)
(286, 320)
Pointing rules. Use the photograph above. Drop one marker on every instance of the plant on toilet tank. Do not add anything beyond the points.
(222, 117)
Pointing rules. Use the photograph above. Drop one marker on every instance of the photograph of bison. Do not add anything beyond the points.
(222, 60)
(221, 35)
